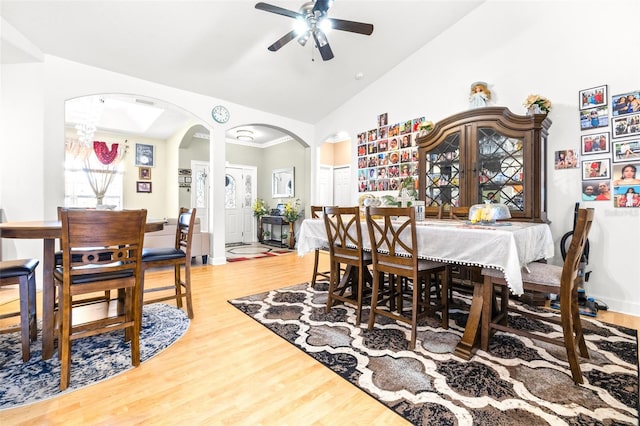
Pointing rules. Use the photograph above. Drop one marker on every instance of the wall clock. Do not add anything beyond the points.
(220, 114)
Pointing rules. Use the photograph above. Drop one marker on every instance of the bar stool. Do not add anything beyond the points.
(22, 273)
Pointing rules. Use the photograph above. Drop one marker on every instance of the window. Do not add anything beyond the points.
(78, 192)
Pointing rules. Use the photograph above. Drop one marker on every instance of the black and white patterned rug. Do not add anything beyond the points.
(519, 381)
(93, 359)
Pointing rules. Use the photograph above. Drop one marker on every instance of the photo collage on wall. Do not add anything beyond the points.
(614, 140)
(387, 154)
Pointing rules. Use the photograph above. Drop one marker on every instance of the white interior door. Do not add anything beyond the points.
(342, 188)
(240, 193)
(325, 185)
(200, 192)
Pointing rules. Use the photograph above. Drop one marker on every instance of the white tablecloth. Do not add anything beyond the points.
(507, 248)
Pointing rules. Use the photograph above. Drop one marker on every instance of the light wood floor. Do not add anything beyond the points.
(227, 369)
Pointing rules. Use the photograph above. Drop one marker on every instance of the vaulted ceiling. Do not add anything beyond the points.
(219, 48)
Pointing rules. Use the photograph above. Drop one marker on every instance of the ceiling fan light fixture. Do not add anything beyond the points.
(303, 38)
(244, 135)
(301, 26)
(321, 39)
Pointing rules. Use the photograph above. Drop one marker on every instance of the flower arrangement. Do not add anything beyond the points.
(292, 210)
(543, 103)
(260, 208)
(426, 126)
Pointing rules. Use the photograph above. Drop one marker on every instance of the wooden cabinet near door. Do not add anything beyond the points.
(486, 153)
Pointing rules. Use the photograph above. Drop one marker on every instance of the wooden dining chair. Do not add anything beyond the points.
(344, 235)
(544, 278)
(101, 250)
(457, 213)
(22, 272)
(178, 256)
(87, 299)
(315, 214)
(394, 248)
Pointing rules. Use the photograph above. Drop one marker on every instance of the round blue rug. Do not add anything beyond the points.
(93, 358)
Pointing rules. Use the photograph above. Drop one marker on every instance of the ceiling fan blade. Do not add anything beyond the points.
(351, 26)
(278, 10)
(282, 41)
(325, 49)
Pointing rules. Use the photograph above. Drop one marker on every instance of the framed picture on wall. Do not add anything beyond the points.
(143, 187)
(627, 125)
(596, 169)
(595, 143)
(144, 173)
(626, 150)
(593, 97)
(593, 118)
(144, 155)
(625, 103)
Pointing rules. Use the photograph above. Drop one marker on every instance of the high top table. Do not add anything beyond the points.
(507, 246)
(49, 231)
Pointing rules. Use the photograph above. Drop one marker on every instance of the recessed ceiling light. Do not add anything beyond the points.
(359, 76)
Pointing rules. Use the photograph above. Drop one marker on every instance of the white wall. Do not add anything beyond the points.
(551, 48)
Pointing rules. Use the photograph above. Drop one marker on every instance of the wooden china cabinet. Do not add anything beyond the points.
(486, 153)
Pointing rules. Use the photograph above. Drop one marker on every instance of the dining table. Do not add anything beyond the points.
(507, 246)
(49, 231)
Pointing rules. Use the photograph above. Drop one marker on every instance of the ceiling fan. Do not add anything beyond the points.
(314, 22)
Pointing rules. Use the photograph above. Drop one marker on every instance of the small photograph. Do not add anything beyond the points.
(372, 148)
(626, 196)
(406, 170)
(372, 135)
(625, 103)
(405, 127)
(416, 123)
(382, 173)
(394, 171)
(383, 119)
(626, 174)
(394, 184)
(566, 159)
(144, 173)
(595, 143)
(143, 187)
(598, 190)
(362, 162)
(406, 141)
(596, 169)
(362, 175)
(405, 156)
(383, 159)
(382, 132)
(393, 144)
(394, 158)
(383, 184)
(383, 145)
(626, 150)
(362, 138)
(362, 150)
(373, 161)
(593, 118)
(627, 125)
(394, 130)
(596, 96)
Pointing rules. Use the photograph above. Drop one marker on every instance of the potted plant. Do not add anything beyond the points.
(260, 209)
(292, 213)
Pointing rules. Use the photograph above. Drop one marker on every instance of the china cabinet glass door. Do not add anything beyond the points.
(442, 166)
(501, 169)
